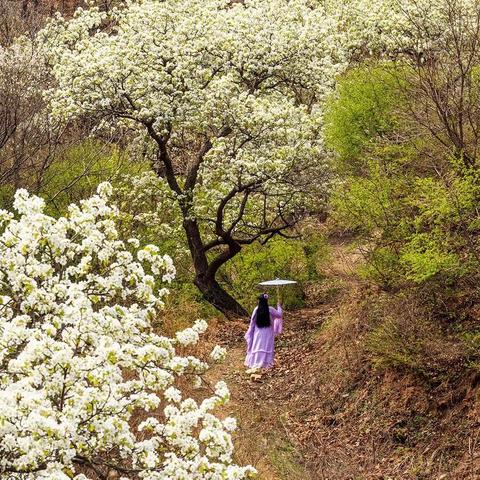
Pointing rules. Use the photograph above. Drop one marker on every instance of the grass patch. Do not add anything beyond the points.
(287, 461)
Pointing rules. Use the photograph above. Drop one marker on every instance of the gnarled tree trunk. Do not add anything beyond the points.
(214, 294)
(226, 245)
(205, 272)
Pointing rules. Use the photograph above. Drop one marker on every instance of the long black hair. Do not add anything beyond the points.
(263, 312)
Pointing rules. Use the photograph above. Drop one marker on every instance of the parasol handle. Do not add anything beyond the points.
(278, 294)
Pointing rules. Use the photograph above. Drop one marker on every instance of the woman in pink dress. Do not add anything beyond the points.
(265, 324)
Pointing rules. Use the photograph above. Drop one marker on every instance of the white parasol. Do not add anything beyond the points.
(277, 283)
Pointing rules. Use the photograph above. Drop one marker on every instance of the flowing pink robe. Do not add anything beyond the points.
(261, 341)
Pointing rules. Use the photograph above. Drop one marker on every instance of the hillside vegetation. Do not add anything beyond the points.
(349, 397)
(160, 158)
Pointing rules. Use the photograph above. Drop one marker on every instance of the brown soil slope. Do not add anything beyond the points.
(324, 412)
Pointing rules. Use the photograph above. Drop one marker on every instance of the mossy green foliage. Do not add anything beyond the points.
(78, 171)
(418, 217)
(297, 259)
(420, 229)
(361, 111)
(414, 209)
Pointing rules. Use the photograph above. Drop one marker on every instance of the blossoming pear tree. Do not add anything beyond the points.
(80, 363)
(412, 28)
(229, 96)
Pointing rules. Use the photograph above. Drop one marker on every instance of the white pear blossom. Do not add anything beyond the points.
(79, 358)
(397, 27)
(218, 353)
(225, 100)
(185, 70)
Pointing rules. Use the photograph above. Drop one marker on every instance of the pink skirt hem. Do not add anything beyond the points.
(259, 359)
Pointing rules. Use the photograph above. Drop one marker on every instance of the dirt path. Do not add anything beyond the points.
(323, 412)
(259, 436)
(267, 409)
(262, 411)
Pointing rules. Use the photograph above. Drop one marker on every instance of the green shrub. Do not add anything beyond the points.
(361, 111)
(393, 345)
(374, 208)
(425, 256)
(413, 209)
(382, 267)
(408, 338)
(81, 168)
(371, 203)
(300, 260)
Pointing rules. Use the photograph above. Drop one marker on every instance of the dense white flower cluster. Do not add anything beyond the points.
(185, 61)
(195, 64)
(395, 27)
(17, 59)
(248, 78)
(218, 353)
(190, 336)
(78, 356)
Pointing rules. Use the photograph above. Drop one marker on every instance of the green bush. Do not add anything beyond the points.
(300, 260)
(413, 209)
(361, 111)
(77, 173)
(408, 338)
(425, 256)
(374, 208)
